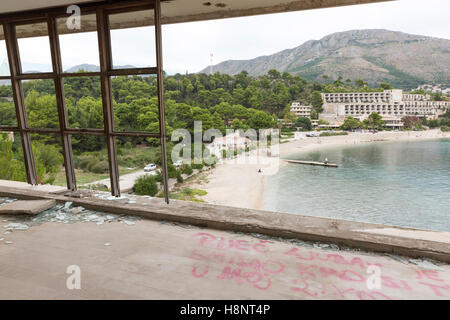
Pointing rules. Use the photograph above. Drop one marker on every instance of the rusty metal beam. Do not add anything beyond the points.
(42, 130)
(9, 129)
(87, 8)
(19, 101)
(34, 76)
(161, 106)
(61, 104)
(83, 131)
(80, 74)
(132, 71)
(114, 72)
(137, 134)
(104, 43)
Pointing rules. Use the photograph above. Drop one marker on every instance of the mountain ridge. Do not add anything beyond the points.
(374, 55)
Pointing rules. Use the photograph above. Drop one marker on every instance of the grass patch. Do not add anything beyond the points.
(186, 194)
(84, 177)
(330, 134)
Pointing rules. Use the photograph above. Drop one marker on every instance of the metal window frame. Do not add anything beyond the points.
(102, 11)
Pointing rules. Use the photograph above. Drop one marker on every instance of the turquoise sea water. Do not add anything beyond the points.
(395, 183)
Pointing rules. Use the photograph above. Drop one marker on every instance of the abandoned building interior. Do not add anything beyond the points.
(180, 236)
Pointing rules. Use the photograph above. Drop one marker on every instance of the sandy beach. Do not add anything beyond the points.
(238, 183)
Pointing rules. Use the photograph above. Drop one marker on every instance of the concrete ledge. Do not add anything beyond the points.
(27, 206)
(374, 237)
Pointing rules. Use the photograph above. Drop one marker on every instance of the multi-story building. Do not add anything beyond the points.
(392, 105)
(301, 111)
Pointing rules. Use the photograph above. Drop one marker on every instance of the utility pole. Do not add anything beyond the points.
(211, 64)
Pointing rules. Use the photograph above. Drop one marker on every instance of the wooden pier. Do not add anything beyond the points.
(314, 163)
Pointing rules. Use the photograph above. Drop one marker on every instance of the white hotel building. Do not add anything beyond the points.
(392, 105)
(301, 111)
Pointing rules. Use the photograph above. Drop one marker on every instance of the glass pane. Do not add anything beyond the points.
(135, 103)
(139, 157)
(90, 158)
(79, 47)
(133, 47)
(48, 158)
(4, 65)
(12, 166)
(84, 102)
(7, 108)
(40, 104)
(34, 51)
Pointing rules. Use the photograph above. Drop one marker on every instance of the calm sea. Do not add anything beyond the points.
(395, 183)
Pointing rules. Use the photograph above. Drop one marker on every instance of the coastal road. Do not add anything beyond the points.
(126, 181)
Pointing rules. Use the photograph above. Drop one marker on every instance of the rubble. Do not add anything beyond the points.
(425, 264)
(16, 226)
(63, 213)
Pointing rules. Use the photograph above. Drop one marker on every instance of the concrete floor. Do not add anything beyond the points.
(157, 260)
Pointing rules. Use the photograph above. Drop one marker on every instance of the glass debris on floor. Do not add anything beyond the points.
(67, 213)
(128, 198)
(61, 213)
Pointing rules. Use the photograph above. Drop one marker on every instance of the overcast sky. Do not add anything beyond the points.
(187, 46)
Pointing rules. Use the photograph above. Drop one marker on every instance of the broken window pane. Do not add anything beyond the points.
(34, 51)
(84, 102)
(79, 47)
(48, 158)
(40, 104)
(139, 157)
(7, 108)
(135, 103)
(4, 65)
(133, 47)
(90, 158)
(12, 166)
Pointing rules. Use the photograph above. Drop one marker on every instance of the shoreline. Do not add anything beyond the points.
(240, 185)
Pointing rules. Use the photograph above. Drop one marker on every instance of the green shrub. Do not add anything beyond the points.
(445, 129)
(91, 164)
(433, 123)
(187, 170)
(100, 167)
(171, 170)
(198, 166)
(146, 185)
(329, 134)
(179, 177)
(158, 177)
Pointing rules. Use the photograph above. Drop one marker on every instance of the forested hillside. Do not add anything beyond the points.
(217, 100)
(220, 101)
